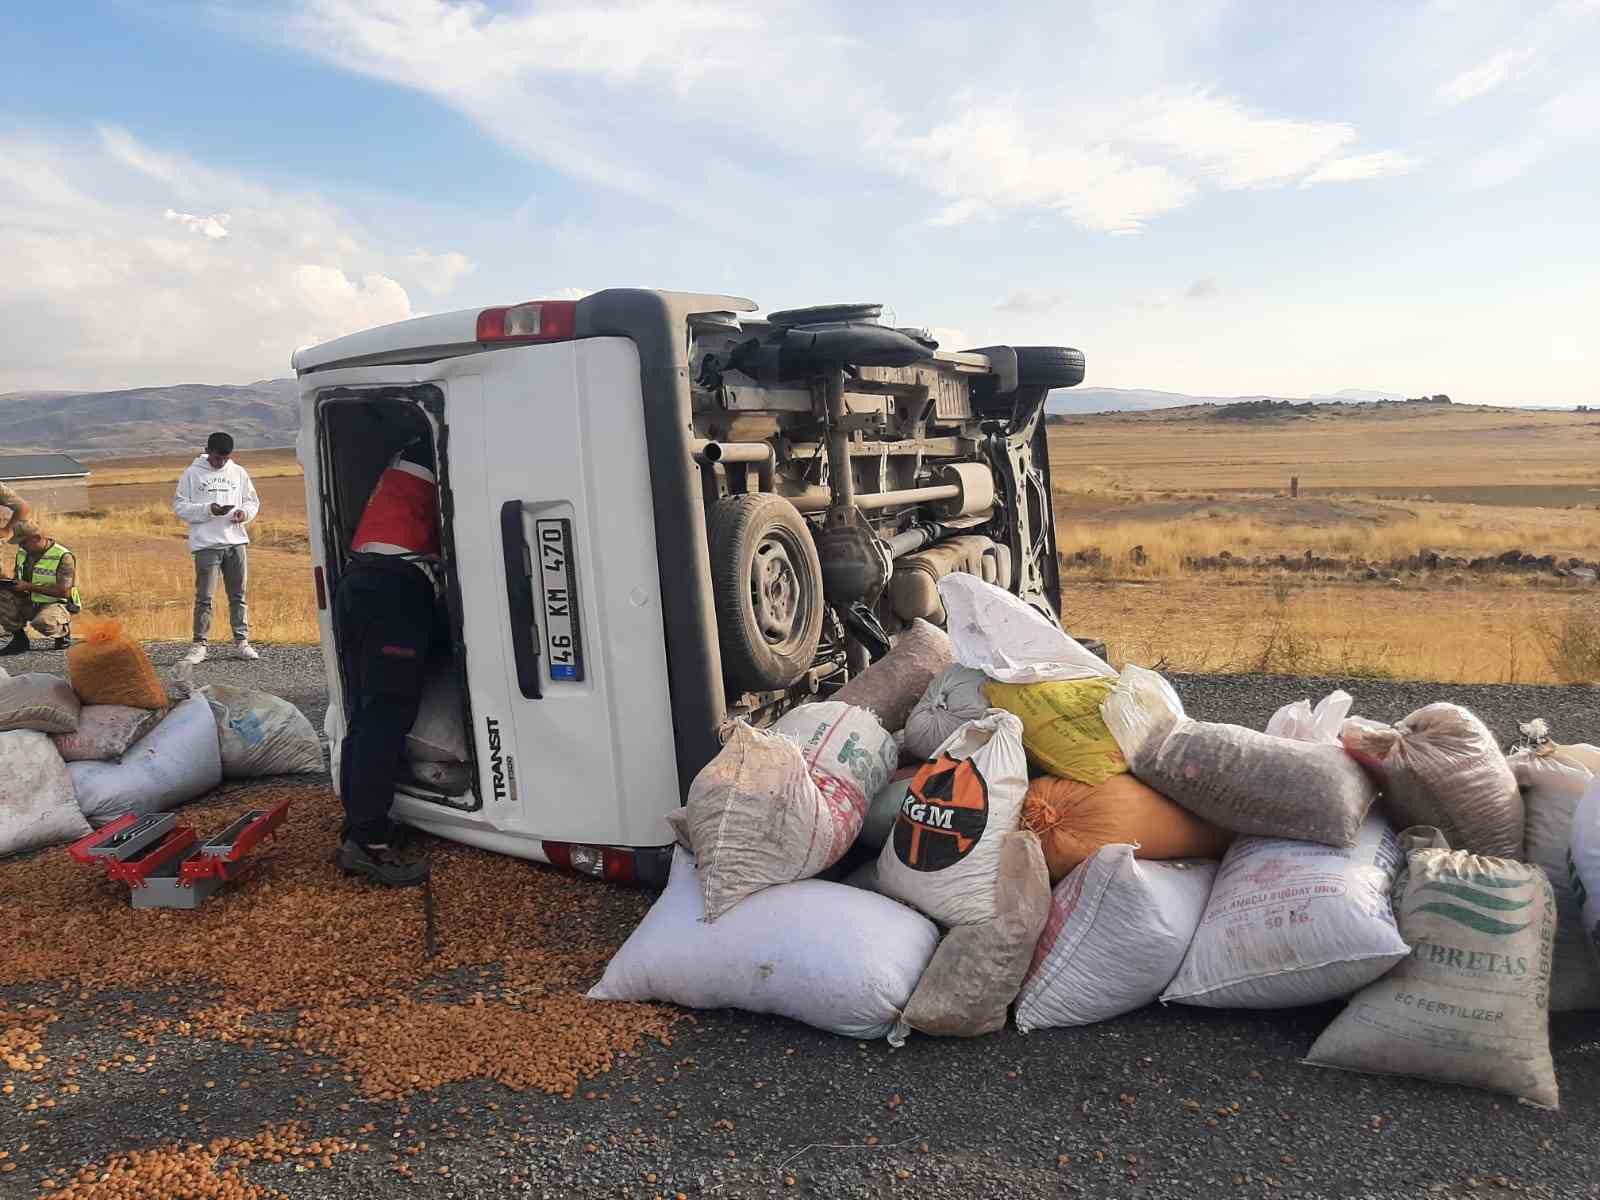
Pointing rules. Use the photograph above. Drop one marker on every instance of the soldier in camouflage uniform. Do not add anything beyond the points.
(43, 592)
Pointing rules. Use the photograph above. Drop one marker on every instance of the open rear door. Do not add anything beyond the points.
(555, 553)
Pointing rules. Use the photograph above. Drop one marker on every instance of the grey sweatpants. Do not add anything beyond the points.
(234, 564)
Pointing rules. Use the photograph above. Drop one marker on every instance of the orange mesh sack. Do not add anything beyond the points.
(109, 667)
(1074, 820)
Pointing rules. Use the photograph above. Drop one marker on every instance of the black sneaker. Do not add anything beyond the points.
(18, 644)
(382, 867)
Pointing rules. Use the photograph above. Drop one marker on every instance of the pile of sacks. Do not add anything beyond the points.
(79, 752)
(1414, 870)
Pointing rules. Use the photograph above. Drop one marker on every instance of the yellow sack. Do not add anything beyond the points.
(1062, 730)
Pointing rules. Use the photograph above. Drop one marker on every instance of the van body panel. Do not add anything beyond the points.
(545, 428)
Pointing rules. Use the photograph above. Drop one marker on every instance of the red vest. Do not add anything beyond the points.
(402, 515)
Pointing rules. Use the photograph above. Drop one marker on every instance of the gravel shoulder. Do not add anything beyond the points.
(738, 1105)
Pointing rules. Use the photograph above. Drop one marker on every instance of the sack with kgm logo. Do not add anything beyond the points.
(778, 806)
(1471, 1003)
(944, 855)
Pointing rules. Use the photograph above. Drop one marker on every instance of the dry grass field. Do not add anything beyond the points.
(1145, 494)
(1376, 485)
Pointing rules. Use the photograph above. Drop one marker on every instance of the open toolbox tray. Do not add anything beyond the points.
(165, 865)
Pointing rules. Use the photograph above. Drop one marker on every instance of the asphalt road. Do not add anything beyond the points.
(1088, 1112)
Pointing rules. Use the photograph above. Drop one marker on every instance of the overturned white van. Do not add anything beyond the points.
(661, 514)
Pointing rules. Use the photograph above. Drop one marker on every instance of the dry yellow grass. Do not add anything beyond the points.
(1354, 449)
(1458, 635)
(165, 469)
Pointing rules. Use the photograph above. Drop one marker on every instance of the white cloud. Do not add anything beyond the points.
(1030, 300)
(112, 279)
(1378, 165)
(1483, 78)
(674, 102)
(438, 273)
(214, 227)
(1202, 289)
(1234, 146)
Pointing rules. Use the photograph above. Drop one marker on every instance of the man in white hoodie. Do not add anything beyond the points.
(217, 499)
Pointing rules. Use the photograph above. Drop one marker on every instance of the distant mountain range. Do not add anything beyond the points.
(153, 420)
(1082, 400)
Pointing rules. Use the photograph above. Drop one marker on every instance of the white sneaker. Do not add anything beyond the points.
(246, 651)
(197, 654)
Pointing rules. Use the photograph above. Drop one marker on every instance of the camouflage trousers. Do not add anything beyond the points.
(18, 611)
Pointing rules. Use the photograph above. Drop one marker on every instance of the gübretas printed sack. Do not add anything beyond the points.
(943, 857)
(1471, 1003)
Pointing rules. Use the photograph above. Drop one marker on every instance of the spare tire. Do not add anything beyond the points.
(1049, 366)
(766, 584)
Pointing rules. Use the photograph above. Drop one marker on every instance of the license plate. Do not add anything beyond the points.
(561, 627)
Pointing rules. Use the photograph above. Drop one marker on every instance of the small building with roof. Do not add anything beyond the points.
(52, 483)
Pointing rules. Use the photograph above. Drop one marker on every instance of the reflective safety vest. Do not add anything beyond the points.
(402, 517)
(44, 574)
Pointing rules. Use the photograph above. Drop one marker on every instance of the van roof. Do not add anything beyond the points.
(446, 334)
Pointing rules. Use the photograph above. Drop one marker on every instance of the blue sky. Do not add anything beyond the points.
(1213, 197)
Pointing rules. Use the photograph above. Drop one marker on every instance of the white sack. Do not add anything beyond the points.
(1583, 863)
(785, 804)
(174, 763)
(1552, 783)
(1306, 724)
(1292, 923)
(1116, 935)
(105, 731)
(952, 699)
(438, 734)
(1441, 767)
(36, 801)
(1140, 711)
(995, 632)
(261, 734)
(1470, 1003)
(836, 957)
(40, 702)
(944, 856)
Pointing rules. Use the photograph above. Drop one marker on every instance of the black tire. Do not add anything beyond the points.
(1049, 366)
(766, 582)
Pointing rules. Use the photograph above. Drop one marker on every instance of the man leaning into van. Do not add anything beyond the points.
(385, 615)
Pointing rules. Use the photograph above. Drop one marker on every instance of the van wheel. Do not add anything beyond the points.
(1049, 366)
(767, 583)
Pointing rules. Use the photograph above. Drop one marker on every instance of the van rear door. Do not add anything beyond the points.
(555, 553)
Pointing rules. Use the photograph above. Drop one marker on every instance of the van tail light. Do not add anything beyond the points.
(647, 865)
(536, 321)
(318, 578)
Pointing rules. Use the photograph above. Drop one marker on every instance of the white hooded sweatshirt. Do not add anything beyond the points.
(200, 488)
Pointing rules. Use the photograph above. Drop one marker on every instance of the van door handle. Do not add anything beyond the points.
(519, 600)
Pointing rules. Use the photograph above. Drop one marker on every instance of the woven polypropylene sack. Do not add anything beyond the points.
(944, 855)
(105, 731)
(1552, 784)
(1471, 1003)
(1441, 766)
(36, 799)
(1062, 729)
(1000, 635)
(1583, 859)
(109, 667)
(891, 687)
(883, 810)
(780, 805)
(1255, 783)
(1291, 923)
(839, 958)
(38, 702)
(261, 734)
(1116, 935)
(177, 761)
(439, 733)
(977, 969)
(953, 698)
(1074, 820)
